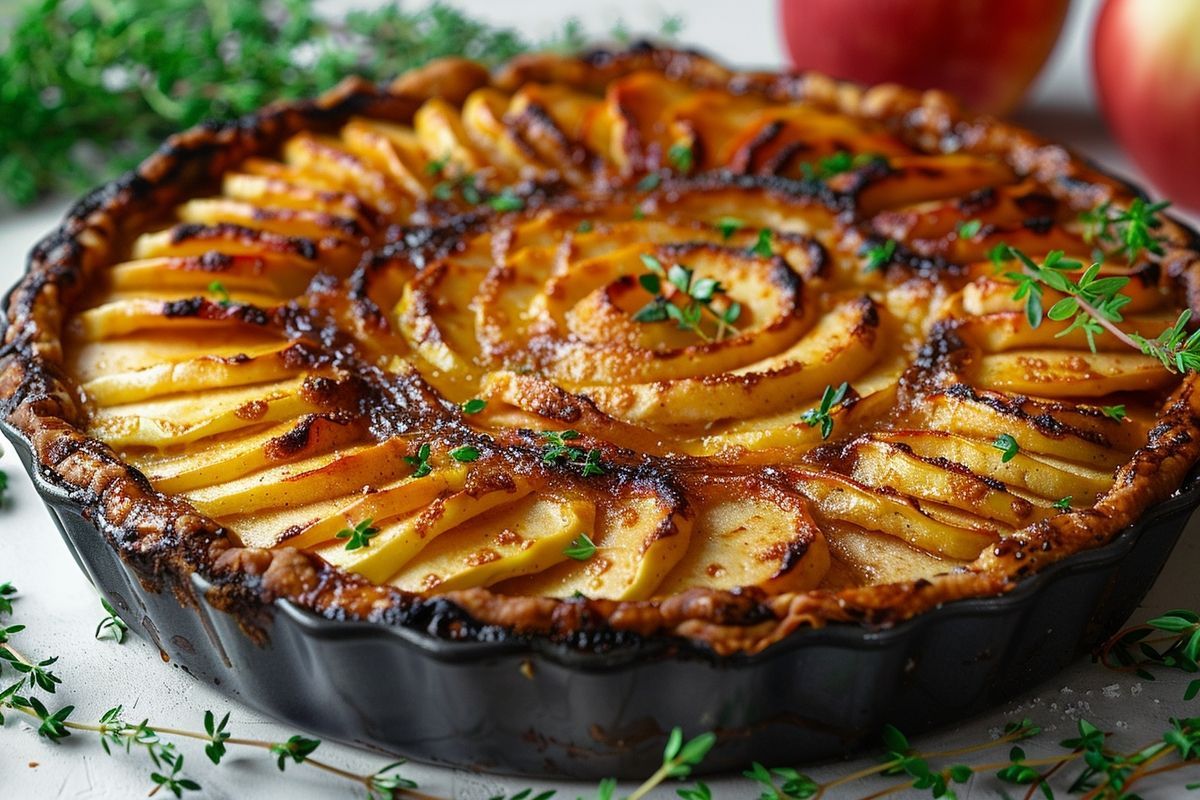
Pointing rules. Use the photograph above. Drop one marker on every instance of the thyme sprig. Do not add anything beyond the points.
(558, 450)
(1128, 231)
(358, 537)
(112, 626)
(1093, 304)
(822, 415)
(678, 280)
(1133, 649)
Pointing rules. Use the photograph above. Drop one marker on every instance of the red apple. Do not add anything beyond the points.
(985, 51)
(1147, 62)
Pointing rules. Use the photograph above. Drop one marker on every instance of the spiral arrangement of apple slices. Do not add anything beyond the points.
(552, 337)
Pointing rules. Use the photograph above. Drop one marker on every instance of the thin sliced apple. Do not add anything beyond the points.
(638, 541)
(847, 500)
(401, 541)
(881, 464)
(323, 475)
(842, 345)
(262, 365)
(523, 538)
(184, 420)
(1042, 475)
(1051, 373)
(750, 540)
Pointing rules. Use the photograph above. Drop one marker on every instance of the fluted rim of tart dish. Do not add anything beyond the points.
(167, 540)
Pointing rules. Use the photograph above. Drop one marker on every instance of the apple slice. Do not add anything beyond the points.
(323, 475)
(314, 225)
(917, 178)
(757, 539)
(987, 416)
(638, 540)
(523, 538)
(328, 159)
(183, 420)
(226, 459)
(848, 500)
(1054, 373)
(265, 190)
(841, 346)
(393, 149)
(883, 464)
(1041, 475)
(399, 542)
(260, 365)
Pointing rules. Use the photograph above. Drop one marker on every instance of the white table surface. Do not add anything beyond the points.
(61, 610)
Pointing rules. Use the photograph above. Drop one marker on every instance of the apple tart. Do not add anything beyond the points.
(629, 342)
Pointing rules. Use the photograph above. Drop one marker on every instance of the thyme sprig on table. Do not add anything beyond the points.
(1106, 773)
(1137, 648)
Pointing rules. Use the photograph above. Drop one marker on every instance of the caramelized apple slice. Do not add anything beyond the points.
(1050, 373)
(183, 420)
(525, 537)
(399, 542)
(750, 537)
(883, 464)
(847, 500)
(638, 540)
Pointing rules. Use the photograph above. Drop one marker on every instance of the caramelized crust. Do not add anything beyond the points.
(256, 341)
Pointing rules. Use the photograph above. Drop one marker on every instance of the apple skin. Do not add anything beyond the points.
(987, 52)
(1146, 57)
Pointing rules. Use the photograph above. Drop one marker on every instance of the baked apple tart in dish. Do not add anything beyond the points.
(512, 418)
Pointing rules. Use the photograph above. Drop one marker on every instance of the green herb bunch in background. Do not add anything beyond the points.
(89, 87)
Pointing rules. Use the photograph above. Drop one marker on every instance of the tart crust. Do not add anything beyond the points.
(166, 540)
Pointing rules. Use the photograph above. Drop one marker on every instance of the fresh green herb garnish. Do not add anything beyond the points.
(420, 461)
(1063, 503)
(700, 293)
(681, 157)
(762, 245)
(879, 255)
(822, 415)
(557, 448)
(585, 227)
(112, 626)
(1127, 232)
(506, 200)
(473, 406)
(1006, 444)
(836, 164)
(728, 226)
(1113, 412)
(466, 453)
(1093, 304)
(969, 229)
(359, 536)
(999, 255)
(218, 288)
(581, 548)
(650, 182)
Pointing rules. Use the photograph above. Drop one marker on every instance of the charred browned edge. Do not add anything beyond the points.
(165, 540)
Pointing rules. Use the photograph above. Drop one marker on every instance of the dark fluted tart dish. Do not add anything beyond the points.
(509, 420)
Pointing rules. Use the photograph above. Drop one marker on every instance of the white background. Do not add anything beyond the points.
(62, 611)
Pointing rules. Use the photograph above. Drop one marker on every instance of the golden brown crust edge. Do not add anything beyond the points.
(166, 540)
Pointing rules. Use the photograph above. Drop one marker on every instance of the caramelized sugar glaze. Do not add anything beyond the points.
(277, 326)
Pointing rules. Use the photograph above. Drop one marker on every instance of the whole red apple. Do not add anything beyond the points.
(1147, 61)
(985, 51)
